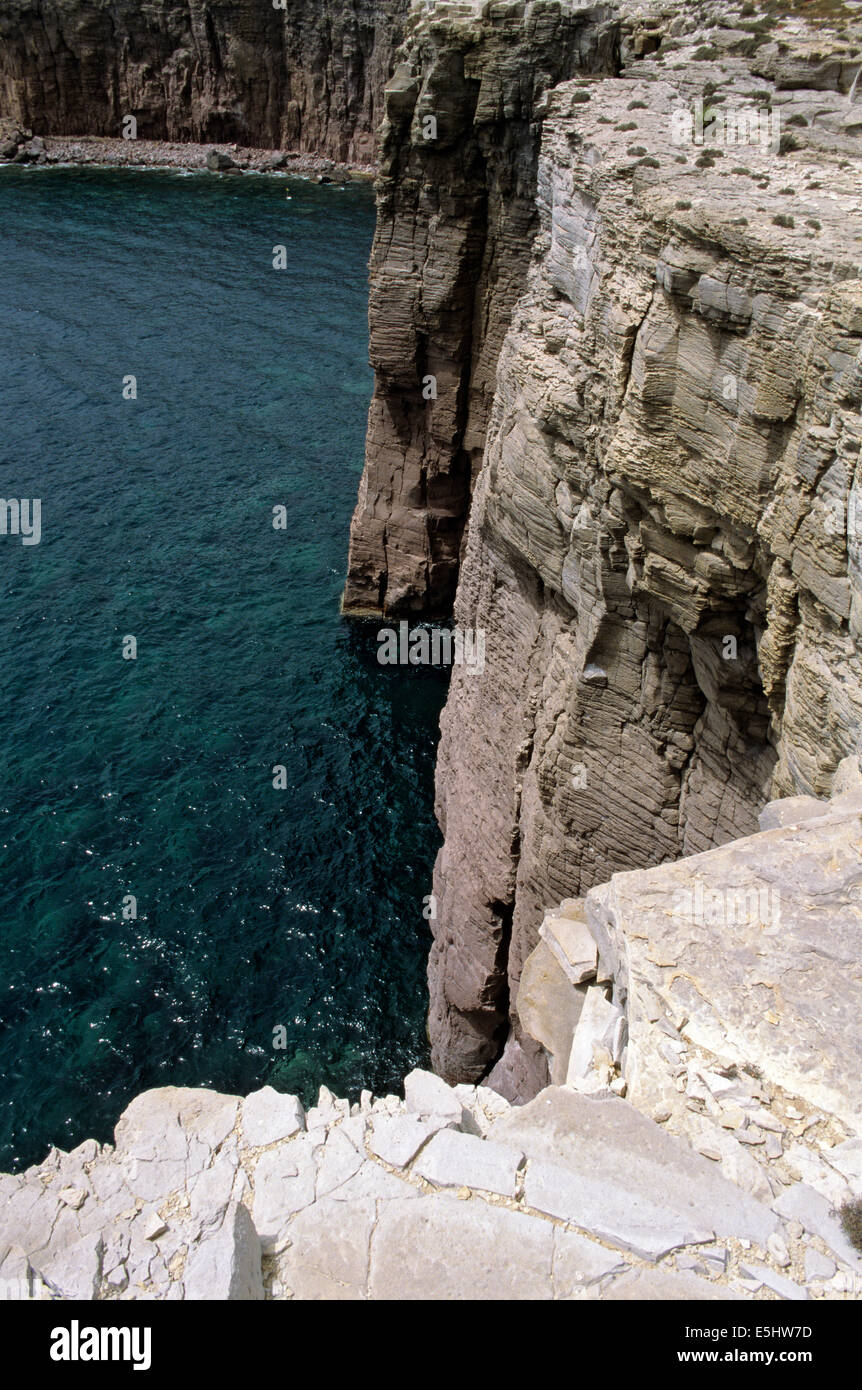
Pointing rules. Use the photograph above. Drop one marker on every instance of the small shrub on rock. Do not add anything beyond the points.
(851, 1221)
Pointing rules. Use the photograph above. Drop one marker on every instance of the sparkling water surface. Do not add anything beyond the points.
(257, 908)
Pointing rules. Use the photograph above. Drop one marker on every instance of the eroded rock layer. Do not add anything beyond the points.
(308, 75)
(456, 220)
(665, 543)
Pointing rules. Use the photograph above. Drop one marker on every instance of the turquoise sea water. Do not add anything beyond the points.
(256, 907)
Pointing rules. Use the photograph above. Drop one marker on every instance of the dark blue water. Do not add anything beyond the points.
(257, 908)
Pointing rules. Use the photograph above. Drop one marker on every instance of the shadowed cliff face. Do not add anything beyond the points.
(307, 77)
(456, 221)
(664, 542)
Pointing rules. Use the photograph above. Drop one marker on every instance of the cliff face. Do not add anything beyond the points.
(306, 77)
(664, 541)
(456, 220)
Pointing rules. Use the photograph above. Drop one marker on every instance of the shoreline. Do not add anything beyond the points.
(98, 151)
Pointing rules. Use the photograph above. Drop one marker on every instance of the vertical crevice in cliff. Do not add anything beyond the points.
(456, 222)
(309, 77)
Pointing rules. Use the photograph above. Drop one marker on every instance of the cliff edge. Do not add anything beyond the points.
(662, 430)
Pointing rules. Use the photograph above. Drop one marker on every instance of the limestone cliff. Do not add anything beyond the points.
(664, 540)
(306, 76)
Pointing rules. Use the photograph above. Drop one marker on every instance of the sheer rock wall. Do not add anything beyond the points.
(456, 221)
(307, 77)
(665, 542)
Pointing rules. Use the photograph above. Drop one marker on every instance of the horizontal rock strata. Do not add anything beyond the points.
(664, 541)
(456, 217)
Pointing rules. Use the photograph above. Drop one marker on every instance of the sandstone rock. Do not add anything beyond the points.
(549, 1007)
(309, 76)
(658, 549)
(790, 810)
(456, 221)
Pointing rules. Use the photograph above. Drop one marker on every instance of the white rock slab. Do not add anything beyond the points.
(597, 1017)
(373, 1181)
(398, 1138)
(167, 1136)
(627, 1164)
(818, 1266)
(451, 1159)
(630, 1220)
(340, 1161)
(442, 1248)
(815, 1212)
(666, 1285)
(76, 1271)
(779, 1283)
(267, 1116)
(427, 1094)
(573, 945)
(226, 1266)
(328, 1253)
(284, 1181)
(580, 1263)
(847, 1158)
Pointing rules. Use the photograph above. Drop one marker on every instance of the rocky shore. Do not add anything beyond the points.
(20, 146)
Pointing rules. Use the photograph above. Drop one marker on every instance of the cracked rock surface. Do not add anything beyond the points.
(570, 1197)
(702, 1147)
